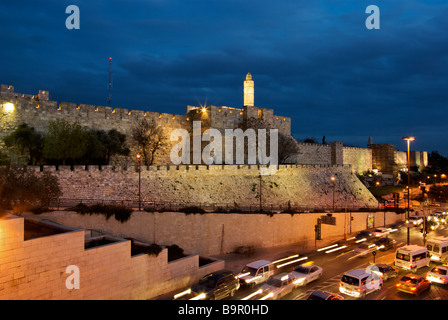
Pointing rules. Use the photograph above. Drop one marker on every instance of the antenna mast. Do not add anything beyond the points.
(110, 78)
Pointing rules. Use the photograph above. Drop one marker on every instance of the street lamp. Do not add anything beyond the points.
(333, 179)
(139, 159)
(408, 141)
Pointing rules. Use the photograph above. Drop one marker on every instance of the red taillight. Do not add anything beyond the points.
(340, 283)
(359, 290)
(413, 288)
(398, 285)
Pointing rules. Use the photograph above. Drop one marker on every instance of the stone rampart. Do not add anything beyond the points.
(359, 158)
(219, 233)
(306, 186)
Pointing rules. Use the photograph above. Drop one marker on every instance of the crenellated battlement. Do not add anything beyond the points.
(240, 169)
(37, 110)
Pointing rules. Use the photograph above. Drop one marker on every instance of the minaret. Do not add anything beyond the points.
(249, 91)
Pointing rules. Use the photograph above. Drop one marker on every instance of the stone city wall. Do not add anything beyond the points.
(359, 158)
(305, 186)
(219, 233)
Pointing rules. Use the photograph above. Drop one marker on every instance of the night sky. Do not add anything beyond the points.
(312, 60)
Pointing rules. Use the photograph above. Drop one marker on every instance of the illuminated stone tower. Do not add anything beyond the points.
(249, 91)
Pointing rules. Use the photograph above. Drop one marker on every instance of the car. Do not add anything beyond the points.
(438, 275)
(385, 271)
(433, 225)
(305, 273)
(363, 235)
(364, 249)
(323, 295)
(415, 220)
(380, 232)
(360, 282)
(216, 285)
(413, 284)
(278, 286)
(256, 272)
(385, 243)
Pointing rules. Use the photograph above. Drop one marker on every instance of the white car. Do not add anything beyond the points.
(415, 220)
(438, 275)
(364, 249)
(381, 232)
(278, 286)
(305, 273)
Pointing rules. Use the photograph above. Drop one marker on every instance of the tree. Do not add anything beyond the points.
(148, 138)
(65, 141)
(26, 140)
(103, 145)
(21, 189)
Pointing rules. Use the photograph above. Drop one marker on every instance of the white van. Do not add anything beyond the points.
(360, 282)
(438, 249)
(256, 272)
(412, 257)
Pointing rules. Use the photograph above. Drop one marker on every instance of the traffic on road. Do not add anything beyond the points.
(374, 264)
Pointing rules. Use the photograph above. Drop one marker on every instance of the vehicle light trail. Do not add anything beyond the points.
(290, 262)
(253, 294)
(325, 248)
(336, 249)
(287, 258)
(181, 294)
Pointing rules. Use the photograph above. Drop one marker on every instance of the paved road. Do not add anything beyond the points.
(335, 263)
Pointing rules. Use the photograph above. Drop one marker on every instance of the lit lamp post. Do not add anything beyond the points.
(333, 179)
(408, 141)
(139, 159)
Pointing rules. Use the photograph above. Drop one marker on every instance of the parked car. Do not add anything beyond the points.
(438, 275)
(305, 273)
(385, 243)
(278, 286)
(413, 284)
(323, 295)
(216, 285)
(385, 271)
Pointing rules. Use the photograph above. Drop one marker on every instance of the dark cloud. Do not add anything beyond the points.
(311, 60)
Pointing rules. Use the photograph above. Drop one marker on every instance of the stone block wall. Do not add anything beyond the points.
(359, 158)
(306, 186)
(37, 268)
(219, 233)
